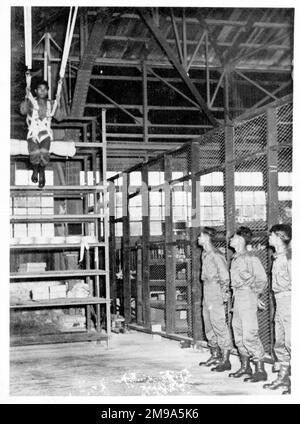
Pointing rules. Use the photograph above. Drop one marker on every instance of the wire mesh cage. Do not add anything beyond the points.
(211, 185)
(250, 136)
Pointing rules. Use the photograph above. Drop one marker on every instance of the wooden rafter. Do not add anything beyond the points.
(86, 64)
(171, 56)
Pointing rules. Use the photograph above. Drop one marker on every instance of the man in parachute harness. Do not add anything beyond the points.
(40, 111)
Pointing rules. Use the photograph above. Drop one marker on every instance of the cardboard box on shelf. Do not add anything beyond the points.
(58, 292)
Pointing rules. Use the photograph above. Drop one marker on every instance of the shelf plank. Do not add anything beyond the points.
(179, 283)
(160, 304)
(53, 246)
(36, 304)
(57, 218)
(57, 338)
(56, 274)
(49, 189)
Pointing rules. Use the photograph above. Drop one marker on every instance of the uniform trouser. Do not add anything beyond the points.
(245, 324)
(216, 329)
(39, 152)
(283, 328)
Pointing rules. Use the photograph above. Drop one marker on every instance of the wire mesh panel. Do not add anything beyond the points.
(181, 226)
(284, 118)
(212, 149)
(250, 136)
(251, 211)
(285, 162)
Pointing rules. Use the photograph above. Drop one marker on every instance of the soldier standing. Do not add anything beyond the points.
(215, 278)
(280, 237)
(248, 280)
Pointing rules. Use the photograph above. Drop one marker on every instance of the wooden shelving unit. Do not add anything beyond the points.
(94, 269)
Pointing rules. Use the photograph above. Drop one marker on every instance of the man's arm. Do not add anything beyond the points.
(25, 107)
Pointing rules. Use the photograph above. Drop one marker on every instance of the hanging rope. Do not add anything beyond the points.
(28, 44)
(66, 51)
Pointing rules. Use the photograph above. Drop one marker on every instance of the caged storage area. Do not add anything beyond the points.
(237, 174)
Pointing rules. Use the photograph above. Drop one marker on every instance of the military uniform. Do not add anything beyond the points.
(215, 277)
(248, 280)
(281, 284)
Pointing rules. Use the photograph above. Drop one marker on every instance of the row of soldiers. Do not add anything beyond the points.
(248, 280)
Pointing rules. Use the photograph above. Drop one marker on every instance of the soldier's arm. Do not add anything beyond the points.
(223, 275)
(261, 278)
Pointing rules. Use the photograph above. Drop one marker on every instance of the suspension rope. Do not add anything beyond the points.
(66, 51)
(28, 44)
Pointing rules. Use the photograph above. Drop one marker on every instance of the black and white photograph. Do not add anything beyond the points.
(151, 202)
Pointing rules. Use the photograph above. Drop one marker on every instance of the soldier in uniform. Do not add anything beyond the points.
(215, 278)
(279, 239)
(248, 280)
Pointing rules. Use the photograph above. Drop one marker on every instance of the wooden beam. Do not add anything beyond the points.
(174, 88)
(87, 62)
(145, 103)
(184, 39)
(145, 249)
(164, 45)
(256, 85)
(204, 35)
(213, 42)
(242, 35)
(175, 29)
(170, 259)
(126, 251)
(272, 160)
(197, 322)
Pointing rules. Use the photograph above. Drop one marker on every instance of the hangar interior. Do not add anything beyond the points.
(179, 118)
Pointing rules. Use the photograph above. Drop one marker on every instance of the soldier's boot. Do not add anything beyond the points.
(245, 368)
(225, 364)
(42, 178)
(282, 380)
(35, 174)
(214, 359)
(259, 373)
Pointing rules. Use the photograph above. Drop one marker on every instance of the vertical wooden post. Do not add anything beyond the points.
(139, 284)
(126, 251)
(207, 70)
(197, 322)
(112, 244)
(184, 39)
(106, 219)
(272, 161)
(170, 252)
(145, 249)
(229, 193)
(226, 97)
(145, 103)
(272, 193)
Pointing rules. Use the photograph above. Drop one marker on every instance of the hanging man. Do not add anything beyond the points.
(279, 239)
(215, 278)
(39, 111)
(248, 280)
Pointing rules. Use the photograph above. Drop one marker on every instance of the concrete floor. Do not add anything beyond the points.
(133, 364)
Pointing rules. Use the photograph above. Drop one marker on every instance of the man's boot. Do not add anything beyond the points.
(35, 174)
(245, 368)
(225, 364)
(276, 367)
(259, 374)
(214, 359)
(282, 380)
(42, 179)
